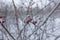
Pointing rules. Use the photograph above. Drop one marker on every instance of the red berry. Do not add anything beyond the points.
(1, 16)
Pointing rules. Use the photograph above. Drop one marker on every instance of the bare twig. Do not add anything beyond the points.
(7, 31)
(58, 37)
(16, 15)
(46, 18)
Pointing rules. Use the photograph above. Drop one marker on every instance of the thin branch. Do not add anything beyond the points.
(4, 26)
(16, 15)
(46, 18)
(7, 31)
(58, 37)
(45, 6)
